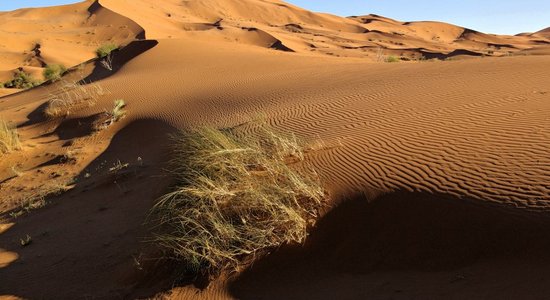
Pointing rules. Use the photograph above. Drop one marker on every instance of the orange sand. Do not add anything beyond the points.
(452, 156)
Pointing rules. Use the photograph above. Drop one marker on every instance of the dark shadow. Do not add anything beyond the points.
(58, 159)
(499, 46)
(67, 129)
(94, 7)
(36, 116)
(76, 128)
(120, 58)
(466, 33)
(443, 56)
(90, 245)
(278, 45)
(409, 245)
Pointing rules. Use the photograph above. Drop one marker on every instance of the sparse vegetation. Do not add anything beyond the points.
(25, 241)
(105, 50)
(392, 59)
(236, 196)
(9, 139)
(118, 166)
(22, 80)
(36, 199)
(107, 62)
(54, 72)
(118, 111)
(72, 95)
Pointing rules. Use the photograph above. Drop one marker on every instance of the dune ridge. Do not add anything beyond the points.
(80, 28)
(69, 35)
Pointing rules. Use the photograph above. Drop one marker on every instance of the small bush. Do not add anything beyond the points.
(392, 59)
(236, 196)
(118, 111)
(9, 139)
(22, 80)
(105, 50)
(54, 72)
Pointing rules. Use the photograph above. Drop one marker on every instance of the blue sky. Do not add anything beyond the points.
(493, 16)
(15, 4)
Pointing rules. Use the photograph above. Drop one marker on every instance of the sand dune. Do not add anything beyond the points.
(544, 33)
(448, 161)
(67, 35)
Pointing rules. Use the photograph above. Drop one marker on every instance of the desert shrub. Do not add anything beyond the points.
(9, 139)
(392, 59)
(72, 95)
(105, 50)
(118, 111)
(236, 196)
(54, 72)
(22, 80)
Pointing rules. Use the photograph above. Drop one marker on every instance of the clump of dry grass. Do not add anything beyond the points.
(118, 112)
(236, 195)
(37, 198)
(9, 139)
(72, 95)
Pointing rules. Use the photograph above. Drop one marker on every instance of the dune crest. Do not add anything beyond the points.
(69, 35)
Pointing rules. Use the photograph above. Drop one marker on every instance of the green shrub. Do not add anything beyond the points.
(105, 50)
(236, 197)
(54, 72)
(392, 59)
(22, 80)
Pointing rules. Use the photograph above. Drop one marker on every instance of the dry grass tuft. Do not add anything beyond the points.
(37, 198)
(118, 111)
(236, 196)
(9, 139)
(72, 95)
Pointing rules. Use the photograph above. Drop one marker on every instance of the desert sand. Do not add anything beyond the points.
(438, 167)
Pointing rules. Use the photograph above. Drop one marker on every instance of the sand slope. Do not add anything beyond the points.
(66, 35)
(543, 33)
(441, 155)
(271, 23)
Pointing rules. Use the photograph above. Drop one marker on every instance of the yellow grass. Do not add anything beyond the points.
(9, 139)
(236, 196)
(71, 96)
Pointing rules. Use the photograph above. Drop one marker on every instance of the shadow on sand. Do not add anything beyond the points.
(410, 245)
(89, 242)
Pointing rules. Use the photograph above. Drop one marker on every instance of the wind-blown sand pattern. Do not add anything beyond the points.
(443, 167)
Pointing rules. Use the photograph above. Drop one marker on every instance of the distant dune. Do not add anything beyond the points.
(438, 166)
(544, 33)
(75, 31)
